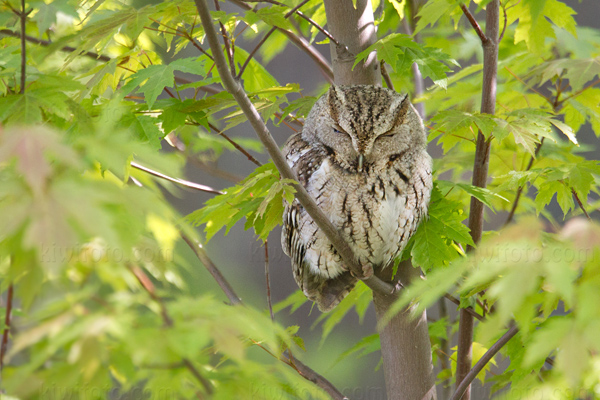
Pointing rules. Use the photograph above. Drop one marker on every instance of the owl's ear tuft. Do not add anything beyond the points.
(401, 111)
(335, 99)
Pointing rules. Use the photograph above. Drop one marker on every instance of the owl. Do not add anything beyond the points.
(362, 156)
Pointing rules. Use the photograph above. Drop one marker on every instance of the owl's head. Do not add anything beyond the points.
(362, 125)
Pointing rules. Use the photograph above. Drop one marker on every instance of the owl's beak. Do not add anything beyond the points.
(361, 160)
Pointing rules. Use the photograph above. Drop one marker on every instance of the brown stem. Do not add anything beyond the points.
(7, 319)
(474, 23)
(310, 375)
(386, 76)
(470, 377)
(580, 204)
(234, 144)
(303, 45)
(301, 15)
(212, 269)
(444, 347)
(417, 77)
(228, 48)
(45, 43)
(23, 20)
(264, 39)
(264, 135)
(489, 42)
(513, 209)
(168, 322)
(183, 182)
(304, 371)
(577, 93)
(268, 281)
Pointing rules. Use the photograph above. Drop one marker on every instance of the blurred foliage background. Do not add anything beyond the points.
(107, 300)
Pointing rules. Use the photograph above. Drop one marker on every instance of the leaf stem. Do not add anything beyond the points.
(7, 320)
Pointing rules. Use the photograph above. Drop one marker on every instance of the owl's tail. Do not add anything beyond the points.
(328, 293)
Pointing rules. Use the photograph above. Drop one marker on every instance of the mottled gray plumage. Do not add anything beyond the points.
(376, 204)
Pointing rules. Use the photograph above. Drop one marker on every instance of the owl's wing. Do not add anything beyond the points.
(327, 293)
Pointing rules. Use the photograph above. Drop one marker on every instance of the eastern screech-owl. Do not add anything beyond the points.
(362, 156)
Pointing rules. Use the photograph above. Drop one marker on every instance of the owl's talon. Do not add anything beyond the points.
(367, 271)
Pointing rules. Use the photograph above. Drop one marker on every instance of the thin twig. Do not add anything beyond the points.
(148, 286)
(310, 375)
(264, 39)
(416, 72)
(268, 280)
(460, 390)
(228, 46)
(212, 269)
(474, 23)
(386, 76)
(304, 371)
(285, 171)
(528, 86)
(301, 15)
(168, 322)
(577, 93)
(444, 347)
(505, 21)
(513, 209)
(7, 319)
(23, 18)
(183, 182)
(580, 204)
(303, 45)
(469, 310)
(234, 144)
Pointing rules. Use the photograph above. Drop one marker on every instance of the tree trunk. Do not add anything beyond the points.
(405, 345)
(354, 29)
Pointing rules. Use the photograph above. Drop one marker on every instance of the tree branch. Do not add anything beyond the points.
(489, 43)
(7, 319)
(473, 23)
(303, 45)
(268, 281)
(310, 375)
(234, 144)
(183, 182)
(352, 24)
(322, 221)
(580, 204)
(301, 15)
(513, 209)
(417, 77)
(304, 371)
(168, 322)
(264, 39)
(460, 390)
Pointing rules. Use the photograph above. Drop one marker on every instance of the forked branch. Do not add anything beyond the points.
(236, 90)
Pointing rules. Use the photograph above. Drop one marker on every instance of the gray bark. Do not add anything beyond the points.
(354, 29)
